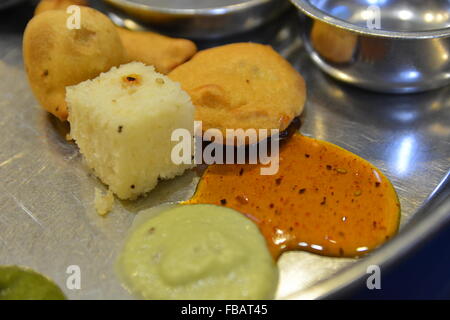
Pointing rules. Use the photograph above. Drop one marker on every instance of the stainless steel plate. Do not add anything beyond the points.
(47, 217)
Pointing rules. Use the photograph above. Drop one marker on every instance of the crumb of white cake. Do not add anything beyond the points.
(103, 202)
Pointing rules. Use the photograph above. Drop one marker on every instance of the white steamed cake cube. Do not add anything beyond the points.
(122, 121)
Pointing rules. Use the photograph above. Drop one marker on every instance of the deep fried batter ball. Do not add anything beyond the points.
(242, 85)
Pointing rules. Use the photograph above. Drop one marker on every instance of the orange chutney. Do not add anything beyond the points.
(323, 199)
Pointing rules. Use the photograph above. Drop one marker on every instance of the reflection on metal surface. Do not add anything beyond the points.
(303, 270)
(406, 53)
(398, 15)
(42, 177)
(404, 154)
(199, 19)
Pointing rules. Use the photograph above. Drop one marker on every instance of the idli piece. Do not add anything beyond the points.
(46, 5)
(197, 252)
(123, 120)
(164, 53)
(56, 56)
(103, 202)
(242, 85)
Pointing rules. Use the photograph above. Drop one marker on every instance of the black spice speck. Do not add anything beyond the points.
(132, 186)
(223, 201)
(301, 191)
(324, 200)
(119, 129)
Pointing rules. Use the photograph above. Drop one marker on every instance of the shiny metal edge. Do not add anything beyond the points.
(189, 12)
(307, 8)
(430, 218)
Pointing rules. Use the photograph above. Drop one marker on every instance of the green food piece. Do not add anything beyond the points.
(197, 252)
(17, 283)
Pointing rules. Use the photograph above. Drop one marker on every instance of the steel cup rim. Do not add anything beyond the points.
(312, 11)
(189, 12)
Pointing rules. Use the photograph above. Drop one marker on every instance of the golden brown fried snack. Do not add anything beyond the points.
(242, 85)
(46, 5)
(333, 44)
(56, 57)
(164, 53)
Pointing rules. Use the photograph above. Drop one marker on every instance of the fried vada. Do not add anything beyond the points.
(242, 86)
(56, 57)
(164, 53)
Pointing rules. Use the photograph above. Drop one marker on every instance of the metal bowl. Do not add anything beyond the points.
(390, 46)
(200, 19)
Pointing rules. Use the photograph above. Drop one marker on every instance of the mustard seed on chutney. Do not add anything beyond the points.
(323, 199)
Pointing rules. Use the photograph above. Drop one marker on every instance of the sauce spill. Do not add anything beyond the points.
(323, 199)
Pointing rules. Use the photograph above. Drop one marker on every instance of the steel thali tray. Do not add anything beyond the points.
(47, 216)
